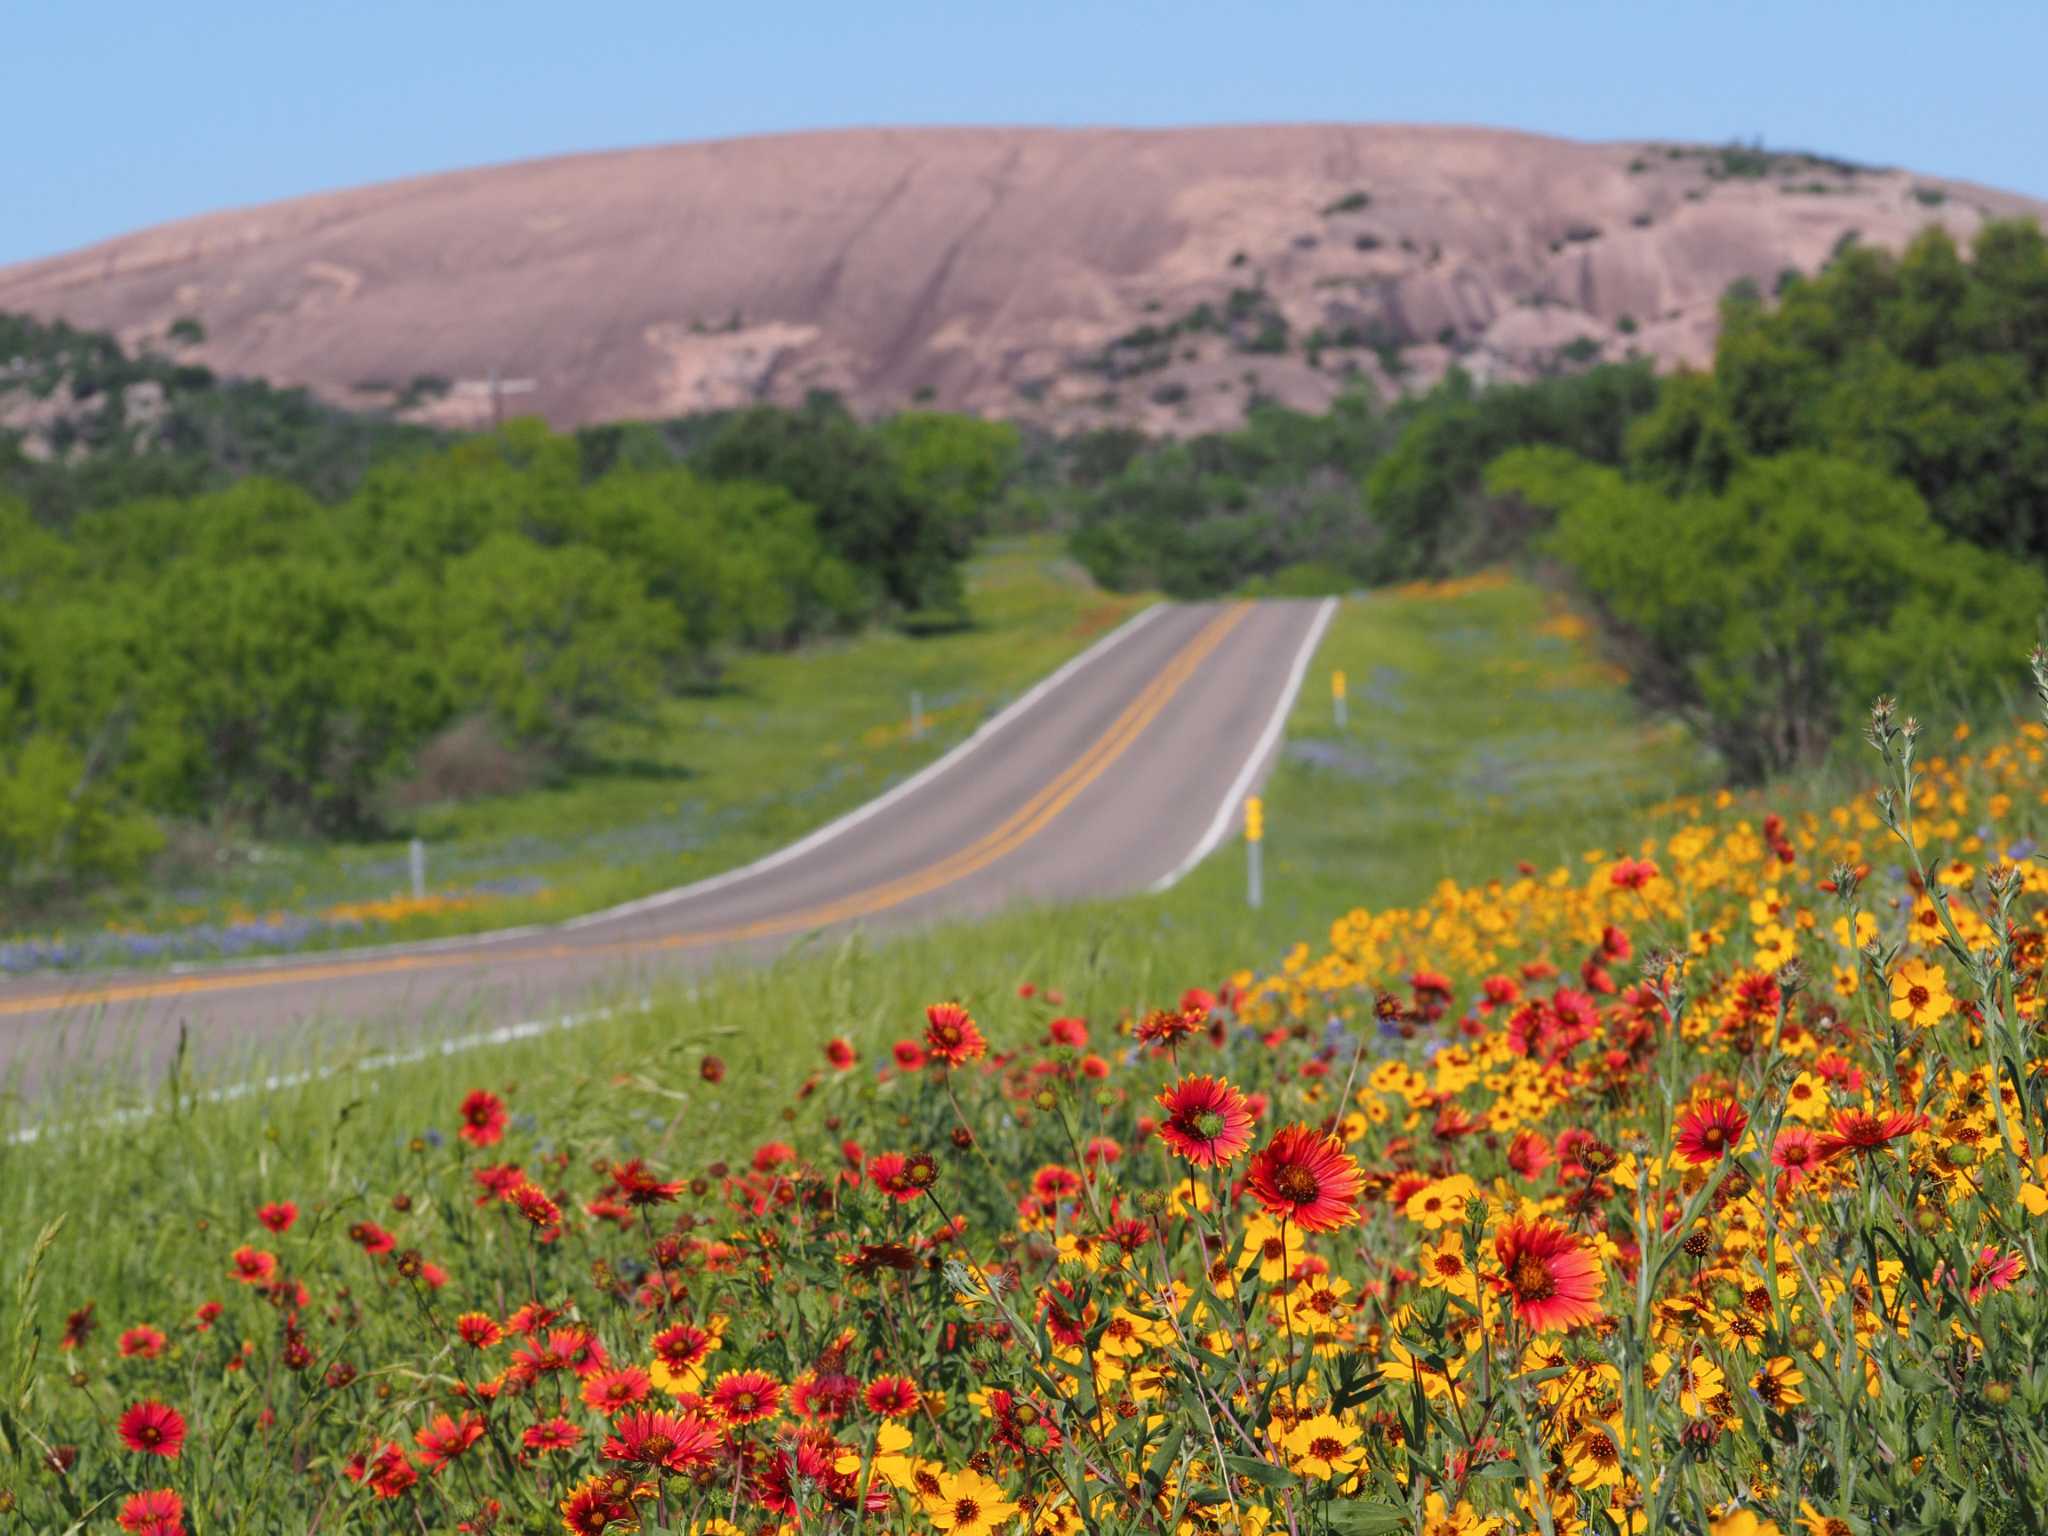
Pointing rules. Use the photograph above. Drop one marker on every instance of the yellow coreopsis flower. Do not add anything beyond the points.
(1445, 1267)
(1440, 1204)
(1920, 994)
(1778, 1382)
(968, 1504)
(1323, 1447)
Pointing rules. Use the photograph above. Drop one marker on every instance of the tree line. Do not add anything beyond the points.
(259, 655)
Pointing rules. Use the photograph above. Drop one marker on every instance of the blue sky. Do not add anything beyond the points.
(130, 114)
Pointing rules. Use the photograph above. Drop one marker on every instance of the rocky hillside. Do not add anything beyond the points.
(1069, 277)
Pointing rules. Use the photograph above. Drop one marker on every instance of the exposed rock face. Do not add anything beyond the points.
(1070, 277)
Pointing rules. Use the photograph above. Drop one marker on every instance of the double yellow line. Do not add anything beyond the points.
(1023, 824)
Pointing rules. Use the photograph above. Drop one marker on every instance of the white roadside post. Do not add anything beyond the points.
(1254, 841)
(916, 715)
(418, 852)
(1337, 701)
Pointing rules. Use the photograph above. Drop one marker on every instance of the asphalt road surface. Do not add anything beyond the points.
(1111, 777)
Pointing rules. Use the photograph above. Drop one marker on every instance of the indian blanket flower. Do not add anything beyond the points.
(1709, 1131)
(1867, 1130)
(673, 1442)
(141, 1342)
(1307, 1178)
(479, 1330)
(1547, 1274)
(149, 1428)
(1797, 1153)
(483, 1118)
(744, 1397)
(951, 1035)
(1995, 1271)
(892, 1397)
(446, 1438)
(611, 1392)
(596, 1505)
(1207, 1121)
(555, 1434)
(251, 1266)
(156, 1512)
(278, 1216)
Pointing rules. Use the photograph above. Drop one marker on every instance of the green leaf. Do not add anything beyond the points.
(1261, 1472)
(1359, 1517)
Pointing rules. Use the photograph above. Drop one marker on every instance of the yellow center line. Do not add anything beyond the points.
(1023, 824)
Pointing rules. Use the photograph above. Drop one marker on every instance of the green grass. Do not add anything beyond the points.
(1477, 736)
(787, 743)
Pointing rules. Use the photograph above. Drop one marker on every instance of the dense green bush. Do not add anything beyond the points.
(1774, 610)
(1922, 365)
(255, 655)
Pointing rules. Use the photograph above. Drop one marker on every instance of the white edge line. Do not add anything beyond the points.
(381, 1061)
(762, 865)
(1226, 813)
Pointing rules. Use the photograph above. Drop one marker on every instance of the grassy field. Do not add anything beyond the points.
(1482, 730)
(787, 743)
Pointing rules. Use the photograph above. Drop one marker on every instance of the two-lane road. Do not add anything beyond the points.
(1108, 778)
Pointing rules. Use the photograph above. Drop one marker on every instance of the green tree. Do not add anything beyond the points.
(1774, 612)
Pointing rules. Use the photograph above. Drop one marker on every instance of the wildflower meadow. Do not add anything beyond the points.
(1698, 1188)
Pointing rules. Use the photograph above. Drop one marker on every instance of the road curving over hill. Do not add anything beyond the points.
(1114, 775)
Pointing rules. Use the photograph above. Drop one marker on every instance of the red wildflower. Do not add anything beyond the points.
(1633, 874)
(712, 1069)
(951, 1035)
(371, 1238)
(681, 1347)
(1796, 1152)
(1863, 1130)
(390, 1474)
(909, 1055)
(159, 1512)
(1995, 1271)
(483, 1119)
(534, 1204)
(636, 1184)
(1306, 1177)
(1711, 1130)
(675, 1441)
(447, 1438)
(893, 1397)
(610, 1392)
(1206, 1122)
(1066, 1031)
(203, 1318)
(745, 1397)
(1529, 1154)
(479, 1330)
(278, 1216)
(1169, 1026)
(152, 1429)
(78, 1327)
(839, 1051)
(595, 1504)
(1548, 1274)
(141, 1341)
(252, 1265)
(551, 1435)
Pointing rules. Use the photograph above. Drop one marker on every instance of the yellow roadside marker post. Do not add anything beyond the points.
(1337, 697)
(1254, 839)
